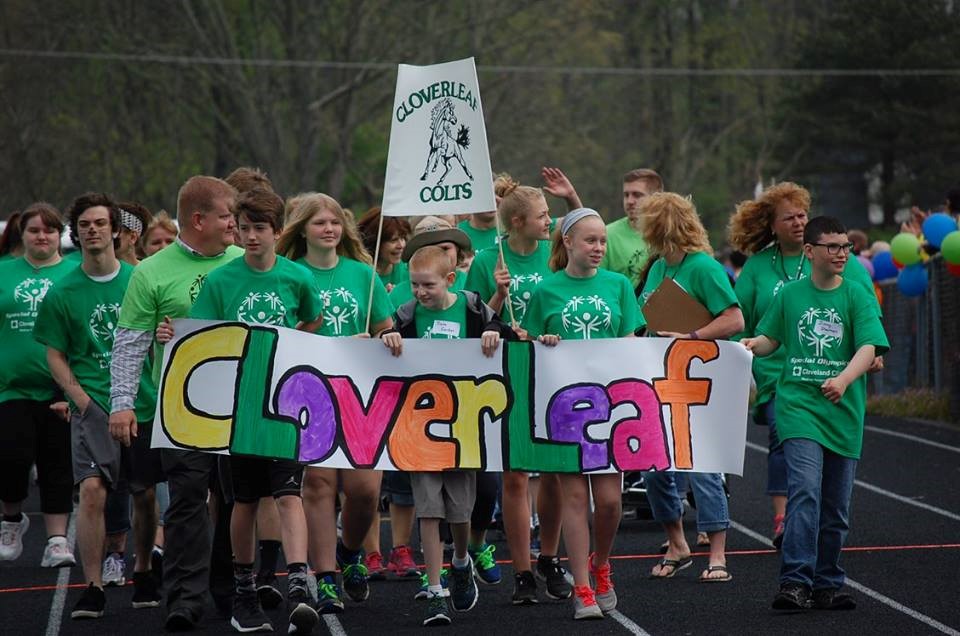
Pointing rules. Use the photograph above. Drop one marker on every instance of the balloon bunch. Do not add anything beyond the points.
(907, 254)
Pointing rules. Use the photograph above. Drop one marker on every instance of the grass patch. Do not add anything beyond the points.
(925, 404)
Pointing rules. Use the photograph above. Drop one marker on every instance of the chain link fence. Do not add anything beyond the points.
(924, 334)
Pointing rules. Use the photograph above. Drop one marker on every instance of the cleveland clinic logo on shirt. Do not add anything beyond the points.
(340, 308)
(586, 316)
(262, 308)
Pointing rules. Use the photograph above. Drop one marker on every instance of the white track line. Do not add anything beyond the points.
(63, 579)
(912, 438)
(334, 625)
(886, 493)
(863, 589)
(628, 624)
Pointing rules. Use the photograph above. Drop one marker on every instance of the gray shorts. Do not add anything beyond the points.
(95, 452)
(445, 495)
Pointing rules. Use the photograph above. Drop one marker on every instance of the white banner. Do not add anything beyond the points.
(438, 161)
(582, 406)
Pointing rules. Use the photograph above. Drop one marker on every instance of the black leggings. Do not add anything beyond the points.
(488, 487)
(30, 433)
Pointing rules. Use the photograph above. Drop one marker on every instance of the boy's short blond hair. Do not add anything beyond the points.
(431, 258)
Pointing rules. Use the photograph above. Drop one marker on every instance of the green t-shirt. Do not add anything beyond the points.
(820, 331)
(23, 361)
(399, 274)
(602, 306)
(700, 275)
(626, 250)
(282, 296)
(78, 318)
(763, 276)
(344, 291)
(167, 284)
(74, 256)
(526, 272)
(444, 324)
(479, 239)
(403, 293)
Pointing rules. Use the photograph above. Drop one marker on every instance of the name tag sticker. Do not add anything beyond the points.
(830, 329)
(446, 328)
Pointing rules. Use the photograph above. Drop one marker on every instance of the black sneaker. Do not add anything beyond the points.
(180, 620)
(831, 599)
(328, 596)
(248, 616)
(524, 589)
(355, 580)
(91, 604)
(792, 597)
(437, 612)
(302, 616)
(268, 590)
(145, 592)
(552, 573)
(463, 587)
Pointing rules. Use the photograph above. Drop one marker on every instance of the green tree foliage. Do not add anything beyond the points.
(301, 89)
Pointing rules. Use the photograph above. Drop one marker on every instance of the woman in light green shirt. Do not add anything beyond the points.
(393, 238)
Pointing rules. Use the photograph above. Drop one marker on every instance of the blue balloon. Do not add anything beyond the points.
(912, 280)
(883, 267)
(936, 227)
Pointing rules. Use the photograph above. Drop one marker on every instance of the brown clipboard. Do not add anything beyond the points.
(671, 308)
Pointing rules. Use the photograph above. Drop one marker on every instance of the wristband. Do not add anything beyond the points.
(693, 335)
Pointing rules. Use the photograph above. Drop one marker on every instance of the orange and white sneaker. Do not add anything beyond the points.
(585, 604)
(606, 596)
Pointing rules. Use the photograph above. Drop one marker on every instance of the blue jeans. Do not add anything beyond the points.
(765, 414)
(820, 483)
(665, 491)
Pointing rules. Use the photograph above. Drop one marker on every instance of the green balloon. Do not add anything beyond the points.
(950, 248)
(905, 248)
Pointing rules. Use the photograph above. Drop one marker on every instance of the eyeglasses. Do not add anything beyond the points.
(834, 248)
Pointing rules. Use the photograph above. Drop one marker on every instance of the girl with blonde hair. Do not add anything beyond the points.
(682, 252)
(526, 219)
(579, 246)
(322, 238)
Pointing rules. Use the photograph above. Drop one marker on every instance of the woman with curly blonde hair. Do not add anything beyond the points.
(672, 229)
(770, 229)
(320, 236)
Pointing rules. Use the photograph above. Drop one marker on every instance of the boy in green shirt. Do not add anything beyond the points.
(831, 333)
(263, 288)
(440, 313)
(76, 323)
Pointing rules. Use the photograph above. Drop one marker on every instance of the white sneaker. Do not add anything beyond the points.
(11, 537)
(113, 570)
(57, 554)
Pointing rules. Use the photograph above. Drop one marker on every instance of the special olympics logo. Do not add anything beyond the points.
(103, 321)
(262, 308)
(820, 329)
(340, 307)
(31, 291)
(586, 315)
(521, 290)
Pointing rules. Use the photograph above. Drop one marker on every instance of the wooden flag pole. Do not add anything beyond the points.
(502, 261)
(373, 279)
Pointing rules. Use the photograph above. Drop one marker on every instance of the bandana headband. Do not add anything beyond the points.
(131, 221)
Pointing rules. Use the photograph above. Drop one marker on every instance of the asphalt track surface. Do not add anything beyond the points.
(902, 561)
